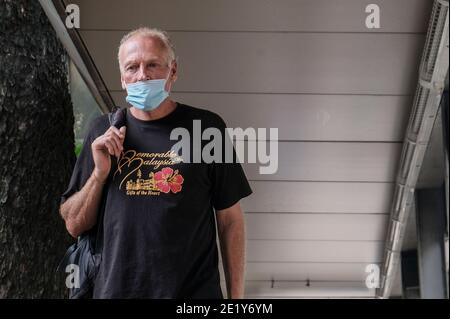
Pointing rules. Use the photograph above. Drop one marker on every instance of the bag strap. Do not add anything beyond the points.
(117, 119)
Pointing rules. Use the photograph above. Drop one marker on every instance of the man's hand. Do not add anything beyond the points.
(110, 143)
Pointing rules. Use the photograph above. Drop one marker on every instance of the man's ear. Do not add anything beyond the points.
(174, 71)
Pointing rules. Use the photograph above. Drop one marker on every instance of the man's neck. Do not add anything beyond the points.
(166, 107)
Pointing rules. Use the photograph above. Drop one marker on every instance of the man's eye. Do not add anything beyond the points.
(131, 68)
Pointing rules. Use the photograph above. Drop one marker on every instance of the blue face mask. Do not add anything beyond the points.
(147, 95)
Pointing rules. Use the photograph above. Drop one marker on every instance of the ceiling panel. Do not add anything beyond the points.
(253, 15)
(304, 271)
(314, 161)
(314, 251)
(291, 289)
(325, 63)
(307, 117)
(319, 197)
(279, 226)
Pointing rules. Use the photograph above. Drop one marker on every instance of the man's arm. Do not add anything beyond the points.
(231, 229)
(79, 211)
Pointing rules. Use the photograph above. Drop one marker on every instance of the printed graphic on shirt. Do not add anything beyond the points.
(149, 173)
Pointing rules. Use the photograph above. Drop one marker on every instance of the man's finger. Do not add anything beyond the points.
(116, 132)
(123, 130)
(113, 129)
(109, 147)
(116, 150)
(116, 140)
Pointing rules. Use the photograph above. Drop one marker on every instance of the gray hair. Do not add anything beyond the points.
(162, 36)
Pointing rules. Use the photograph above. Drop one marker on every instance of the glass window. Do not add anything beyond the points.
(85, 108)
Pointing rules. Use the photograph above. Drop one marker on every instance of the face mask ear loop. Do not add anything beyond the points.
(168, 78)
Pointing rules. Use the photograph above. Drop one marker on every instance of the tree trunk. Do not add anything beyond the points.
(36, 152)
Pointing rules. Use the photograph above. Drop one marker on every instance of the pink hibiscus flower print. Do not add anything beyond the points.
(167, 180)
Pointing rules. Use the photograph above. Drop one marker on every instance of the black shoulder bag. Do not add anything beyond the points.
(82, 259)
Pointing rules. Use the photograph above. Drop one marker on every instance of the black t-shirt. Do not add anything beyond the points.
(159, 223)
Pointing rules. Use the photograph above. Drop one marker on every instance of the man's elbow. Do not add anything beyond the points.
(234, 224)
(71, 226)
(73, 229)
(231, 217)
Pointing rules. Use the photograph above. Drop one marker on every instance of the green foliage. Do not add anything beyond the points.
(78, 146)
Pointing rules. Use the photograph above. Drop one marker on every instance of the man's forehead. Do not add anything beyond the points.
(142, 56)
(140, 47)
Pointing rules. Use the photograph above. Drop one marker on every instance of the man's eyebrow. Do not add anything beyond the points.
(154, 59)
(129, 62)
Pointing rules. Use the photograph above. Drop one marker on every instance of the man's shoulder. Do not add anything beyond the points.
(98, 125)
(207, 117)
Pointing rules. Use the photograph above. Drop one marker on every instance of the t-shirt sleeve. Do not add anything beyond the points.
(85, 164)
(228, 179)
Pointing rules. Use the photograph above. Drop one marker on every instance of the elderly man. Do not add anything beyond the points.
(160, 211)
